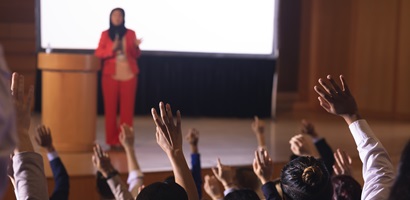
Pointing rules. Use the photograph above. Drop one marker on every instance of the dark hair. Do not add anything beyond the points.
(400, 189)
(346, 188)
(103, 188)
(306, 178)
(120, 29)
(246, 178)
(243, 194)
(163, 191)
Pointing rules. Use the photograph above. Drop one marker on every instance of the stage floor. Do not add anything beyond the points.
(233, 142)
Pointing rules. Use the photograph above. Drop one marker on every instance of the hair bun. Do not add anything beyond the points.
(312, 176)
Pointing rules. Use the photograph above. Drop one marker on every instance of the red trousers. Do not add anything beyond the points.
(117, 93)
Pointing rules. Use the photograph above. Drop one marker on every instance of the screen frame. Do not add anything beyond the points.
(273, 56)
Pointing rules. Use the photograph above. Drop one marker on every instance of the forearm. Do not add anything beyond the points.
(182, 174)
(260, 137)
(119, 189)
(194, 148)
(24, 143)
(131, 159)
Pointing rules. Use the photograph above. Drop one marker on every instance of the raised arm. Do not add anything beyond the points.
(212, 188)
(378, 172)
(102, 162)
(263, 168)
(29, 178)
(60, 175)
(225, 174)
(343, 165)
(325, 151)
(169, 138)
(135, 176)
(258, 128)
(193, 137)
(302, 145)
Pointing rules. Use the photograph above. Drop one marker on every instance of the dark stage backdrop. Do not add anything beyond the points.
(200, 86)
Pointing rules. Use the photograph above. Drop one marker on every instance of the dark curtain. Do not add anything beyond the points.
(199, 86)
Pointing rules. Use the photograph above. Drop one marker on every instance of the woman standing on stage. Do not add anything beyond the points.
(119, 50)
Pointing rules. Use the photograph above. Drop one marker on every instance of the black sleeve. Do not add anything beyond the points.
(270, 192)
(326, 153)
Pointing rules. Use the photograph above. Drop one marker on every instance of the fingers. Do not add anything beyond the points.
(334, 85)
(322, 93)
(14, 85)
(329, 88)
(344, 85)
(169, 114)
(178, 120)
(163, 113)
(158, 122)
(256, 119)
(20, 89)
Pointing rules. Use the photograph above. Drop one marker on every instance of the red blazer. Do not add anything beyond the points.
(105, 52)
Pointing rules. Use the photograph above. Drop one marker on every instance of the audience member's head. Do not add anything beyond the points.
(306, 178)
(243, 194)
(400, 189)
(103, 188)
(346, 187)
(246, 178)
(163, 191)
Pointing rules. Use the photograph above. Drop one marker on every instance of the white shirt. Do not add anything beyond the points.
(378, 171)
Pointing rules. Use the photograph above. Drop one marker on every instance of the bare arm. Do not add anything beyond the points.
(135, 177)
(169, 138)
(258, 128)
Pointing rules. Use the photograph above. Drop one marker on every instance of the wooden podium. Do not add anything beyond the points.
(69, 97)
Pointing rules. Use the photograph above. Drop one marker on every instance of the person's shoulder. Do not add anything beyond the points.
(105, 32)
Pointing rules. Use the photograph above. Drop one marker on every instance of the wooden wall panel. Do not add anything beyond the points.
(325, 44)
(402, 106)
(12, 11)
(375, 55)
(366, 40)
(17, 31)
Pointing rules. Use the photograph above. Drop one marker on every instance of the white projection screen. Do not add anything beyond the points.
(245, 28)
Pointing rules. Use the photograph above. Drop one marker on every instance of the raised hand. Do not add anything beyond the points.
(193, 137)
(337, 101)
(44, 139)
(169, 134)
(263, 166)
(22, 105)
(212, 188)
(343, 164)
(258, 128)
(101, 161)
(138, 42)
(308, 128)
(302, 146)
(169, 138)
(225, 174)
(127, 136)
